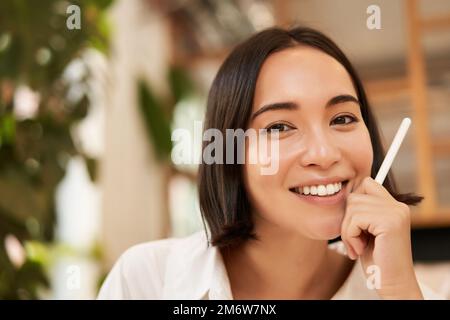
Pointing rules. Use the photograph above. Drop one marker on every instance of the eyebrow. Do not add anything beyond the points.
(293, 106)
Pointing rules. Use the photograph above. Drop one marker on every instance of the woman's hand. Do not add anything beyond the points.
(376, 227)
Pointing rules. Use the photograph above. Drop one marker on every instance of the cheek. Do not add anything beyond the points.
(264, 189)
(254, 169)
(266, 195)
(358, 150)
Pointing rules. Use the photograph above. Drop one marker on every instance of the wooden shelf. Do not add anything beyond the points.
(435, 23)
(441, 147)
(387, 88)
(440, 218)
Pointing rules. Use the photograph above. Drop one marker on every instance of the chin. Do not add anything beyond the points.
(327, 230)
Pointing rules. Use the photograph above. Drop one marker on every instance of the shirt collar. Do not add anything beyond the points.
(195, 270)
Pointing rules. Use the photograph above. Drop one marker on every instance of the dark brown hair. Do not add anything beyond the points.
(223, 199)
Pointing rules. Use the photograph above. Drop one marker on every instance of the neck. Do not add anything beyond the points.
(282, 265)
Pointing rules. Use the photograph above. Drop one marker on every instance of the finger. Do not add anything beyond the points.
(354, 199)
(350, 251)
(370, 186)
(360, 242)
(364, 224)
(355, 235)
(356, 239)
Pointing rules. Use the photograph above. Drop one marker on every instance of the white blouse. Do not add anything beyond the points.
(188, 269)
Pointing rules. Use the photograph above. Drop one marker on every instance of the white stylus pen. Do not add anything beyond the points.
(393, 149)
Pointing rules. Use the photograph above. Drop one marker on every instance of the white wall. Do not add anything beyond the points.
(132, 180)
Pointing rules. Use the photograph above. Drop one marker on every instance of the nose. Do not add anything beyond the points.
(320, 150)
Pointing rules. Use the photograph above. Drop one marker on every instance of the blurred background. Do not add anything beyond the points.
(90, 92)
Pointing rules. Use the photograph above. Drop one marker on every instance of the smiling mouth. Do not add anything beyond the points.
(320, 191)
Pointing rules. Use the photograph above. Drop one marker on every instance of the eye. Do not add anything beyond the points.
(343, 120)
(281, 127)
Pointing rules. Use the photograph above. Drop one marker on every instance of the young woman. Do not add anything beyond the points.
(269, 234)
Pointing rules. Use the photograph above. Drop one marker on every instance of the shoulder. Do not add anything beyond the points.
(428, 293)
(147, 256)
(140, 271)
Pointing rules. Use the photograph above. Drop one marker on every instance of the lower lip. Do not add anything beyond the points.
(334, 199)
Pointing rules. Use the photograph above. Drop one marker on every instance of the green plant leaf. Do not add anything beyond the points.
(157, 124)
(180, 83)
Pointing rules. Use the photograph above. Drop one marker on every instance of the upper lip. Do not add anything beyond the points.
(320, 181)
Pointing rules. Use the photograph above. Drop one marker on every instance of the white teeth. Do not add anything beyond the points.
(330, 188)
(320, 190)
(306, 190)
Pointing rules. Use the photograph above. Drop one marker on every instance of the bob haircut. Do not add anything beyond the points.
(223, 199)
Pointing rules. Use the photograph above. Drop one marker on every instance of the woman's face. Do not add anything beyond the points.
(323, 143)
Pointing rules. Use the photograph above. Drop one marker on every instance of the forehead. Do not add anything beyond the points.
(301, 74)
